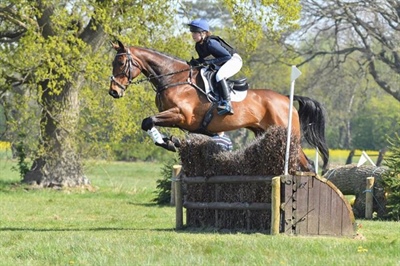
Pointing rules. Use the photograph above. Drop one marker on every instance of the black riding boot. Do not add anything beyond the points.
(225, 107)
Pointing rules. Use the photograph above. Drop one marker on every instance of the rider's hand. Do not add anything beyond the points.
(195, 62)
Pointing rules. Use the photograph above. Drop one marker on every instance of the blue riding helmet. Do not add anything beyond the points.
(199, 25)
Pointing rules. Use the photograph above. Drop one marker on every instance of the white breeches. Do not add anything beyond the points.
(230, 68)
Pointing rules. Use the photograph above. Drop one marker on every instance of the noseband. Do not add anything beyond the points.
(127, 72)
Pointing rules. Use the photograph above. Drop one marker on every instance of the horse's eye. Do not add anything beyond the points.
(120, 61)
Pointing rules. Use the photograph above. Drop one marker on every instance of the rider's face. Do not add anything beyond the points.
(197, 36)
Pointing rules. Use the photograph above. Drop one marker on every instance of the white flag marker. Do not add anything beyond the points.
(294, 75)
(363, 158)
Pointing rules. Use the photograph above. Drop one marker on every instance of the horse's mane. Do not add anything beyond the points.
(161, 53)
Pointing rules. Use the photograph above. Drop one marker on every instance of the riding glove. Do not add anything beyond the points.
(196, 62)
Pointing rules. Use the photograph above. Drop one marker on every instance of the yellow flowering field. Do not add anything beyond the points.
(337, 156)
(4, 146)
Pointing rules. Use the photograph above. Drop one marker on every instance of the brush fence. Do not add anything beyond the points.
(303, 204)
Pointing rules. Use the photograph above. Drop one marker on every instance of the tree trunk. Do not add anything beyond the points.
(58, 163)
(349, 159)
(381, 155)
(351, 180)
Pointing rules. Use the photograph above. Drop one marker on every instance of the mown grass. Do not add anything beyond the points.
(117, 223)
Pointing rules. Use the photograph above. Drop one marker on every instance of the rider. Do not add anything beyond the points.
(223, 56)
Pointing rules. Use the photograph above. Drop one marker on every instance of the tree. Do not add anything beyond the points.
(343, 91)
(377, 122)
(54, 51)
(47, 48)
(391, 179)
(367, 30)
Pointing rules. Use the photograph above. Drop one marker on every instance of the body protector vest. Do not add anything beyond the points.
(224, 44)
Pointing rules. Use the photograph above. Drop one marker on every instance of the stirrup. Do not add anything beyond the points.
(227, 109)
(222, 105)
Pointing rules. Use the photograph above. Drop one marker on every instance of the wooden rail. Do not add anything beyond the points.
(227, 206)
(226, 179)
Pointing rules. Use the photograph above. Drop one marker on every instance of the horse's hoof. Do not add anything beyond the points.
(176, 141)
(168, 145)
(171, 146)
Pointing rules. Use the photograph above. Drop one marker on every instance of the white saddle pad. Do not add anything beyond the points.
(236, 96)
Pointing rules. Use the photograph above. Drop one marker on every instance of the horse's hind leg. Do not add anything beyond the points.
(306, 164)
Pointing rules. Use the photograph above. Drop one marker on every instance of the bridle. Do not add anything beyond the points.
(131, 63)
(127, 72)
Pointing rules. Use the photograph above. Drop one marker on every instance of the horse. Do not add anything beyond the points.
(183, 103)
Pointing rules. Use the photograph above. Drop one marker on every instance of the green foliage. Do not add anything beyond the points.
(391, 179)
(253, 21)
(359, 114)
(268, 67)
(164, 185)
(67, 49)
(2, 121)
(69, 53)
(71, 49)
(373, 124)
(22, 166)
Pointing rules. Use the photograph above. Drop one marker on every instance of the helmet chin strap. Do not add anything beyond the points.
(202, 36)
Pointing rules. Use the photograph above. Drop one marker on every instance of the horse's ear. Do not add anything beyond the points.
(121, 46)
(114, 46)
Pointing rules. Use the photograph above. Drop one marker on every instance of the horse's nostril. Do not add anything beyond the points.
(113, 93)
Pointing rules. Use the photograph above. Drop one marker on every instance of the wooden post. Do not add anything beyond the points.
(175, 172)
(369, 200)
(275, 205)
(178, 197)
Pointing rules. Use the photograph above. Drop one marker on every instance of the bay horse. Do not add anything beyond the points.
(184, 104)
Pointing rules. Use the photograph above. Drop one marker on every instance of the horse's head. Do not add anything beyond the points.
(125, 69)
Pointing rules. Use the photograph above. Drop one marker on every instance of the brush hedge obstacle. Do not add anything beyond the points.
(246, 190)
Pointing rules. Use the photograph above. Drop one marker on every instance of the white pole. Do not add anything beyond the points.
(316, 160)
(294, 75)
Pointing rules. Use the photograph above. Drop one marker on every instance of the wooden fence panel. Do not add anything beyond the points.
(314, 187)
(336, 217)
(301, 214)
(324, 209)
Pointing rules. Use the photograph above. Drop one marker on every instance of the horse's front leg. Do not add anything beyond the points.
(167, 118)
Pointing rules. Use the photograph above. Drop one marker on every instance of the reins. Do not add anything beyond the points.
(132, 63)
(160, 89)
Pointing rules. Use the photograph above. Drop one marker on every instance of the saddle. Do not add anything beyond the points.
(238, 87)
(238, 91)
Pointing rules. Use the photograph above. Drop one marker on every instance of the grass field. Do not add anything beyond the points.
(117, 223)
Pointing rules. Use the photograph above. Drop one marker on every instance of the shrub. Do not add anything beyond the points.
(391, 179)
(21, 153)
(164, 185)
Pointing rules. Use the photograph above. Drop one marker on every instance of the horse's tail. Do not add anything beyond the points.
(312, 121)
